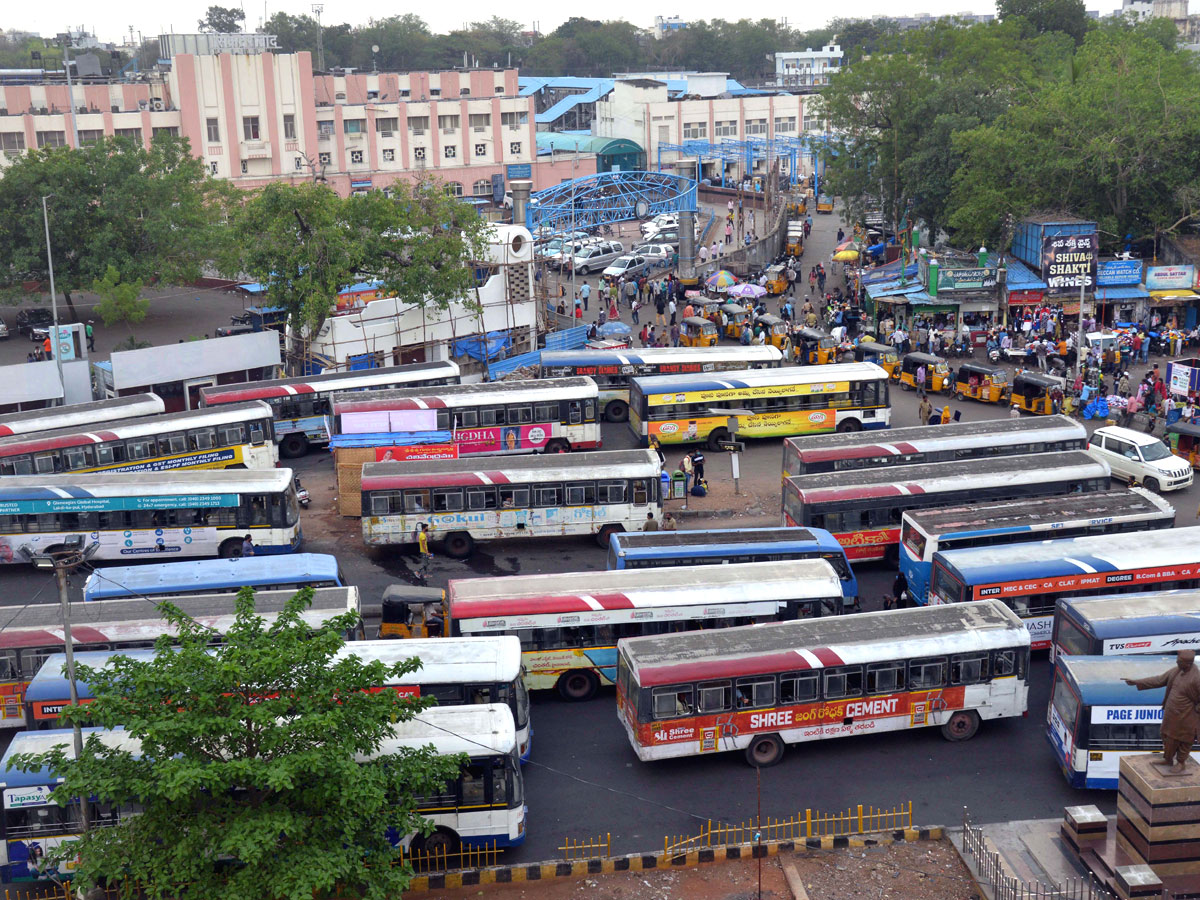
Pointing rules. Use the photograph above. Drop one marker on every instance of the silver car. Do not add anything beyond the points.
(593, 258)
(627, 266)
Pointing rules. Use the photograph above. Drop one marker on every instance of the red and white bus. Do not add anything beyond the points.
(761, 687)
(863, 509)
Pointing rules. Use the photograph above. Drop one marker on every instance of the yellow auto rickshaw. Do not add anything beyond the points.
(1184, 438)
(824, 204)
(698, 332)
(884, 356)
(937, 372)
(795, 239)
(735, 317)
(775, 328)
(978, 381)
(815, 347)
(1031, 392)
(777, 281)
(707, 307)
(411, 612)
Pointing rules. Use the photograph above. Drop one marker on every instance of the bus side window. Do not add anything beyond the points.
(46, 463)
(755, 692)
(1004, 663)
(416, 501)
(843, 681)
(443, 419)
(670, 702)
(545, 412)
(514, 498)
(8, 665)
(520, 415)
(614, 491)
(78, 458)
(970, 668)
(884, 678)
(231, 435)
(473, 781)
(384, 502)
(481, 498)
(31, 661)
(581, 493)
(548, 495)
(140, 449)
(447, 499)
(924, 674)
(715, 696)
(493, 415)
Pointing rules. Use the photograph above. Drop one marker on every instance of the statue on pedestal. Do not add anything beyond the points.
(1181, 708)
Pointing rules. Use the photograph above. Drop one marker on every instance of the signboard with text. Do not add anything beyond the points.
(1168, 278)
(1069, 261)
(1119, 271)
(972, 279)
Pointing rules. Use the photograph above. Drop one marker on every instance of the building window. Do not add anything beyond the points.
(725, 129)
(756, 126)
(324, 129)
(785, 123)
(172, 130)
(813, 123)
(514, 119)
(325, 159)
(448, 124)
(389, 155)
(289, 126)
(418, 124)
(419, 154)
(481, 150)
(250, 128)
(356, 157)
(435, 92)
(299, 163)
(133, 134)
(464, 92)
(214, 131)
(695, 131)
(454, 189)
(88, 136)
(500, 89)
(12, 140)
(480, 121)
(514, 148)
(212, 167)
(387, 127)
(354, 126)
(482, 188)
(245, 167)
(450, 151)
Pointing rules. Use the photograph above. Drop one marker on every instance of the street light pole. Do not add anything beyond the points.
(54, 342)
(60, 574)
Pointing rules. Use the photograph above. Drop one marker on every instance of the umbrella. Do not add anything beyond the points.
(845, 255)
(747, 291)
(721, 281)
(608, 329)
(844, 245)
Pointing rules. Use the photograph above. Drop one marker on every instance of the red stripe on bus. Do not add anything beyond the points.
(78, 439)
(351, 406)
(451, 479)
(22, 638)
(88, 634)
(508, 610)
(613, 601)
(857, 452)
(827, 656)
(828, 495)
(257, 393)
(650, 676)
(5, 431)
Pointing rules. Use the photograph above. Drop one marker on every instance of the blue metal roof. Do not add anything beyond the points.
(196, 576)
(894, 289)
(888, 272)
(1099, 678)
(1123, 292)
(1135, 615)
(601, 88)
(1021, 278)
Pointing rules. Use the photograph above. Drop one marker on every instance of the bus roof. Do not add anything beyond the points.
(121, 429)
(1135, 615)
(1007, 518)
(1099, 678)
(946, 476)
(816, 643)
(923, 439)
(199, 575)
(485, 729)
(133, 619)
(204, 482)
(44, 741)
(623, 591)
(650, 385)
(77, 414)
(660, 356)
(396, 474)
(651, 543)
(327, 382)
(465, 394)
(1074, 556)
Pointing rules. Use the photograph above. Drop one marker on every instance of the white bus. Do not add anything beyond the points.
(758, 689)
(613, 370)
(463, 501)
(1125, 624)
(234, 437)
(152, 514)
(300, 406)
(79, 414)
(553, 415)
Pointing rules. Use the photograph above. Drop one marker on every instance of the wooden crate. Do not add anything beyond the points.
(348, 463)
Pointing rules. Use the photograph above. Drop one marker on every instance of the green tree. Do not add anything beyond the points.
(120, 301)
(248, 752)
(223, 19)
(1068, 16)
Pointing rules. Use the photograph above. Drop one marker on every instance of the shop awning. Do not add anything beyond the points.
(887, 272)
(1173, 297)
(1124, 292)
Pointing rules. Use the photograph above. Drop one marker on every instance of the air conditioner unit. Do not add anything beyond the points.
(115, 108)
(157, 105)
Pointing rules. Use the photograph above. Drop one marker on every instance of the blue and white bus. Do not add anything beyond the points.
(1123, 624)
(215, 576)
(923, 532)
(1094, 718)
(650, 549)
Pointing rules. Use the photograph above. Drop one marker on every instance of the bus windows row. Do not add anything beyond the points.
(255, 510)
(1146, 737)
(857, 519)
(24, 664)
(483, 497)
(300, 407)
(868, 394)
(112, 453)
(834, 683)
(484, 781)
(992, 450)
(52, 819)
(573, 412)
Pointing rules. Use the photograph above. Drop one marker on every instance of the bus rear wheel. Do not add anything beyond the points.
(765, 751)
(578, 684)
(849, 425)
(607, 532)
(962, 726)
(616, 411)
(459, 544)
(293, 445)
(716, 437)
(558, 445)
(230, 548)
(439, 845)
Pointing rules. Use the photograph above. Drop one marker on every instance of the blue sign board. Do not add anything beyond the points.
(497, 189)
(521, 170)
(1119, 271)
(108, 504)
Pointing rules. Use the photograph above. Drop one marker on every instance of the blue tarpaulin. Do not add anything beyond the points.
(497, 342)
(391, 439)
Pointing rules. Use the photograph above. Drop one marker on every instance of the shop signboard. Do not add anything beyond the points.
(1169, 278)
(1119, 271)
(1069, 261)
(1025, 298)
(972, 279)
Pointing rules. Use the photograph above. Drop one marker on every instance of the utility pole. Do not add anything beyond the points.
(319, 8)
(55, 346)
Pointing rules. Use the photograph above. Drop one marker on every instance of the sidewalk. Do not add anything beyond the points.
(1031, 850)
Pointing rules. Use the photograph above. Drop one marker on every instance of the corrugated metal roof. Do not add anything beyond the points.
(1021, 278)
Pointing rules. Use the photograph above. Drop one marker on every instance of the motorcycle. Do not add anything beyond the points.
(302, 494)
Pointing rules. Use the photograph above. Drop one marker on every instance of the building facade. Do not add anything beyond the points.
(807, 69)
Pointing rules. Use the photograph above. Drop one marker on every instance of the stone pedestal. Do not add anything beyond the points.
(1158, 816)
(1084, 826)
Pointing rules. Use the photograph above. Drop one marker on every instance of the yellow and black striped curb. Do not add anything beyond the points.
(644, 862)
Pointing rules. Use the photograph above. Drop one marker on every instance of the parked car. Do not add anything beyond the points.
(1140, 459)
(561, 257)
(593, 258)
(659, 222)
(3, 329)
(627, 266)
(35, 321)
(658, 255)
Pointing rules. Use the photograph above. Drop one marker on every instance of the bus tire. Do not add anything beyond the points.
(849, 425)
(578, 684)
(765, 750)
(441, 842)
(961, 726)
(231, 548)
(459, 544)
(293, 445)
(616, 411)
(558, 445)
(716, 437)
(606, 532)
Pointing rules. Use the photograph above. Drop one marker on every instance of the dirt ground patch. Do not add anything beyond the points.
(928, 870)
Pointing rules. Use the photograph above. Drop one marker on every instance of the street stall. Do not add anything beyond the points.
(1171, 303)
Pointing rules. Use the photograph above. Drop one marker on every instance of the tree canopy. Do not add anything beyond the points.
(223, 19)
(246, 776)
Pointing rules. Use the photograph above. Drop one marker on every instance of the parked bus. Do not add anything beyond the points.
(457, 671)
(97, 412)
(1094, 718)
(650, 549)
(681, 409)
(235, 437)
(553, 415)
(815, 454)
(483, 806)
(613, 370)
(863, 509)
(569, 623)
(1030, 579)
(215, 576)
(758, 689)
(1121, 624)
(34, 632)
(463, 502)
(923, 532)
(178, 513)
(300, 406)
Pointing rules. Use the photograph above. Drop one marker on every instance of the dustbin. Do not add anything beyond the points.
(666, 484)
(678, 485)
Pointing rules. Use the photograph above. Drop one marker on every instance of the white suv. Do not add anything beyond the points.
(1140, 459)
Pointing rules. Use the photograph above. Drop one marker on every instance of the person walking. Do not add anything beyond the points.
(672, 309)
(688, 469)
(945, 415)
(248, 546)
(924, 411)
(669, 523)
(91, 337)
(674, 332)
(698, 463)
(584, 293)
(921, 379)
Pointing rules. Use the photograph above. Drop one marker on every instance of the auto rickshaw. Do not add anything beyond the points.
(735, 318)
(777, 281)
(775, 328)
(987, 384)
(708, 307)
(824, 204)
(815, 347)
(1184, 438)
(795, 239)
(887, 358)
(411, 612)
(698, 332)
(937, 372)
(1031, 392)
